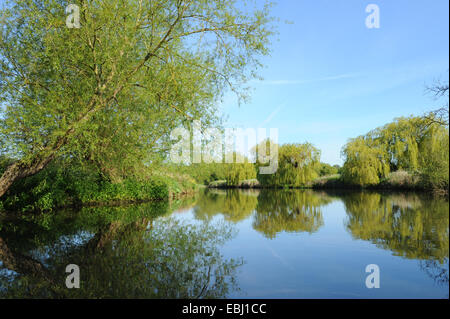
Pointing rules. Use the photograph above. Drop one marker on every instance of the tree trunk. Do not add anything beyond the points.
(21, 263)
(20, 170)
(28, 266)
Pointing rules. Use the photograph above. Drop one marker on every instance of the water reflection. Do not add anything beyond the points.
(289, 211)
(410, 225)
(273, 211)
(146, 251)
(234, 205)
(119, 257)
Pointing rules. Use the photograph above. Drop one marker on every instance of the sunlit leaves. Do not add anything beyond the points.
(298, 165)
(409, 144)
(111, 91)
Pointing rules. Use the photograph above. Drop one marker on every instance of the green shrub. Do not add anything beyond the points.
(401, 179)
(326, 169)
(218, 184)
(61, 185)
(249, 183)
(330, 181)
(44, 191)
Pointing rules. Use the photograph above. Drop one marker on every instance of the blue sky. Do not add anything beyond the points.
(330, 78)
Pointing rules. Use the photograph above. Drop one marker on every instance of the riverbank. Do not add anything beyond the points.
(62, 187)
(397, 181)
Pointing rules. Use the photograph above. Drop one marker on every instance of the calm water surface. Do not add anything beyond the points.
(234, 244)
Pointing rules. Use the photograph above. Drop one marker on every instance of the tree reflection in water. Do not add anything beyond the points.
(410, 225)
(289, 211)
(234, 205)
(119, 257)
(273, 211)
(134, 252)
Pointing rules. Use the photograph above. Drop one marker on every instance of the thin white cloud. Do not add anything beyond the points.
(272, 115)
(297, 82)
(281, 259)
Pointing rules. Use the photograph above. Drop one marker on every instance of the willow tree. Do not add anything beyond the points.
(237, 172)
(298, 165)
(401, 140)
(434, 159)
(364, 164)
(412, 144)
(111, 90)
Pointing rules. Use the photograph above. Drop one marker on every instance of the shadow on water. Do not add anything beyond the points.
(144, 251)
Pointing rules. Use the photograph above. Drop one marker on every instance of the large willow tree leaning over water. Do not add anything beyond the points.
(110, 91)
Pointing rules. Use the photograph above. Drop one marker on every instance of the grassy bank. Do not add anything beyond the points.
(245, 184)
(63, 186)
(399, 181)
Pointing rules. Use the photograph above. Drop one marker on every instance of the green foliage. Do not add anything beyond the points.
(235, 173)
(202, 173)
(4, 163)
(434, 163)
(401, 180)
(214, 173)
(298, 165)
(49, 188)
(329, 181)
(401, 141)
(129, 190)
(326, 169)
(64, 184)
(110, 92)
(407, 144)
(364, 164)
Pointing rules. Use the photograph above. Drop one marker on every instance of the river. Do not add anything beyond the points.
(234, 244)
